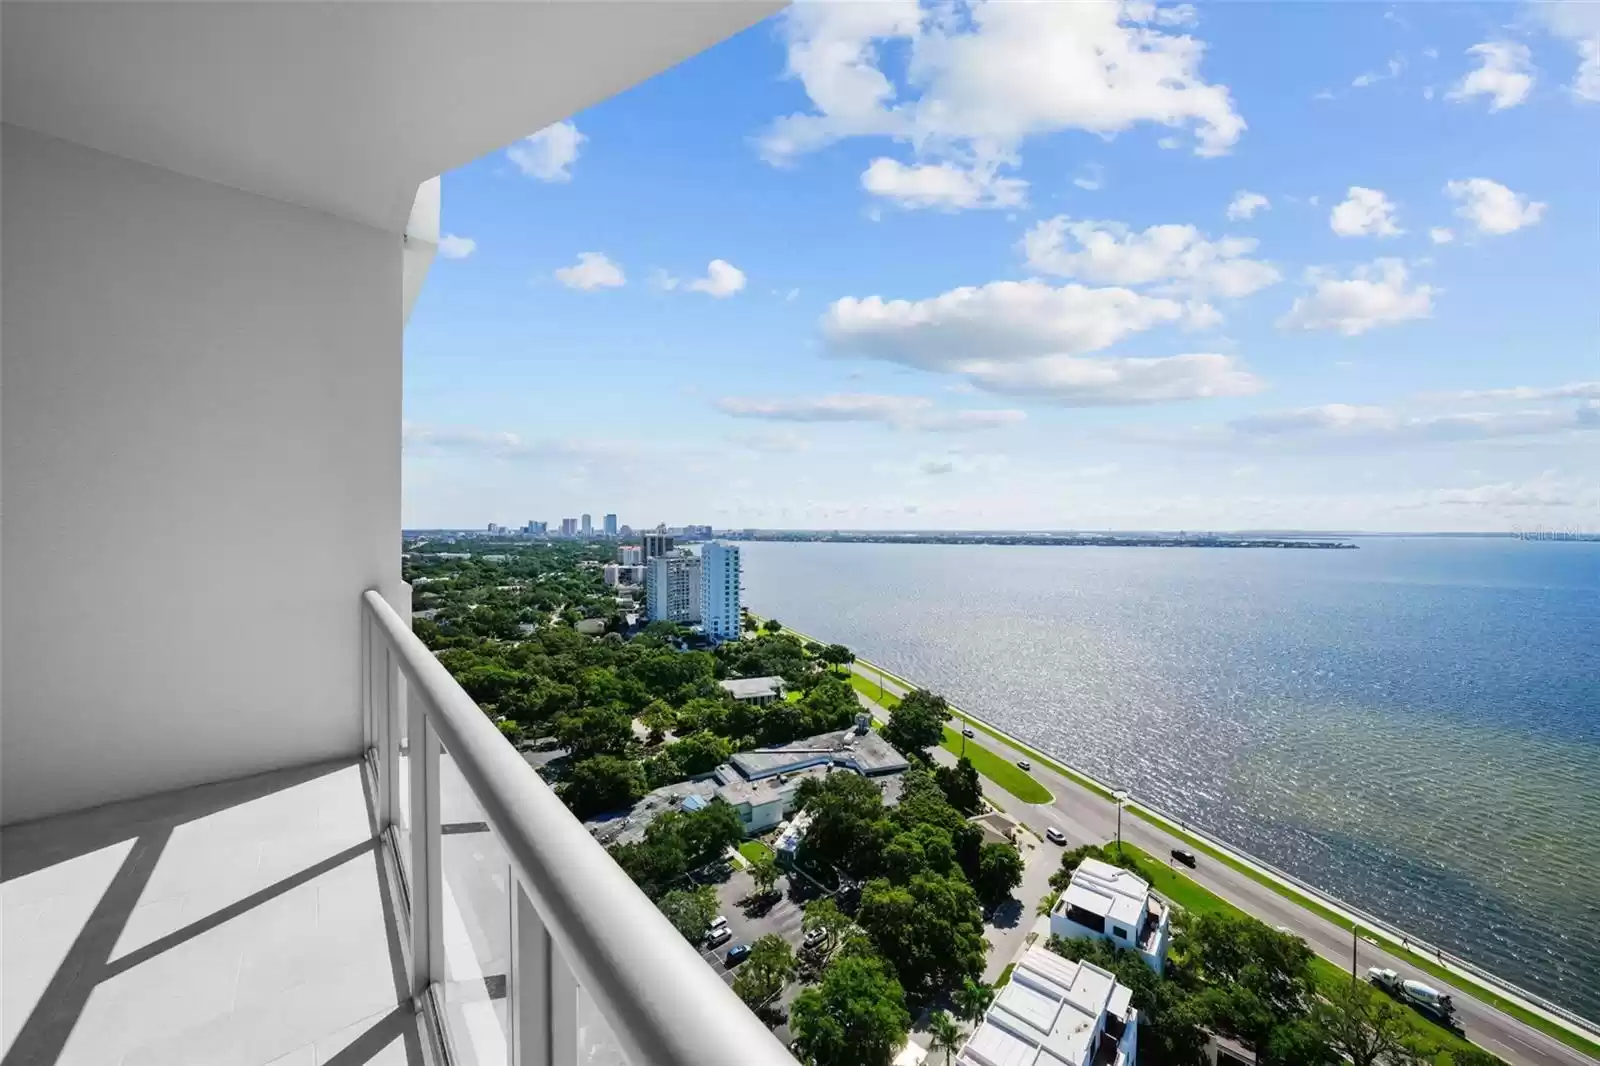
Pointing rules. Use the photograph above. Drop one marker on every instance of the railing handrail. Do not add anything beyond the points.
(660, 998)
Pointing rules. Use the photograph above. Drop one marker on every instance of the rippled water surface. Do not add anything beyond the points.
(1414, 726)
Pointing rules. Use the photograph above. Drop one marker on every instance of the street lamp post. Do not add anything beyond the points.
(1121, 796)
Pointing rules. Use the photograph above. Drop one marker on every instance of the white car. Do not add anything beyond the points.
(1055, 835)
(717, 936)
(719, 922)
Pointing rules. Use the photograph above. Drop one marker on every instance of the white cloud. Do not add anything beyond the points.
(1491, 207)
(1338, 424)
(1575, 390)
(722, 280)
(946, 186)
(663, 281)
(1109, 252)
(902, 412)
(1246, 204)
(1504, 74)
(1441, 235)
(444, 442)
(1093, 179)
(1376, 295)
(980, 79)
(1364, 213)
(1543, 491)
(1099, 382)
(548, 154)
(1021, 319)
(1391, 71)
(1578, 22)
(453, 247)
(592, 271)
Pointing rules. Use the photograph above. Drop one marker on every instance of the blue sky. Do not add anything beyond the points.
(882, 266)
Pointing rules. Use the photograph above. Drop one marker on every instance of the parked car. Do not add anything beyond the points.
(719, 922)
(716, 937)
(1185, 857)
(1024, 764)
(738, 953)
(967, 732)
(814, 939)
(1055, 836)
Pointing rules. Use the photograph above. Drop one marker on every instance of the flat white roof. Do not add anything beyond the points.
(1109, 891)
(1048, 1015)
(752, 687)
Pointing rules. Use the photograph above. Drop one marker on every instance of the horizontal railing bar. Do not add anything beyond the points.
(661, 1000)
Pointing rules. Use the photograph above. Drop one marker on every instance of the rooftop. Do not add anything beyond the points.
(750, 688)
(1050, 1014)
(866, 753)
(1106, 890)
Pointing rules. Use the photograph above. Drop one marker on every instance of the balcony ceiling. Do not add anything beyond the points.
(344, 107)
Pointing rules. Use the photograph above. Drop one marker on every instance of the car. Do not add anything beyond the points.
(814, 939)
(967, 732)
(1185, 857)
(1024, 764)
(719, 922)
(738, 953)
(718, 937)
(1055, 836)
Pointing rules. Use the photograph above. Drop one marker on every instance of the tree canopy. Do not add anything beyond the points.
(856, 1016)
(917, 723)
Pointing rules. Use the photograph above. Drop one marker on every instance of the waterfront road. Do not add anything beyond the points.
(1088, 818)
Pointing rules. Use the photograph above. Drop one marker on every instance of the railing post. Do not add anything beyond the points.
(392, 708)
(563, 1010)
(528, 991)
(427, 890)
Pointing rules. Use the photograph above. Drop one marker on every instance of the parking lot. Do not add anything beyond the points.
(750, 920)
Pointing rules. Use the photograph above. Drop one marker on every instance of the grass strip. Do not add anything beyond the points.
(1006, 774)
(755, 851)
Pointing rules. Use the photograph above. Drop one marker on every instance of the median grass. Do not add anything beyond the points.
(1007, 775)
(1422, 962)
(885, 699)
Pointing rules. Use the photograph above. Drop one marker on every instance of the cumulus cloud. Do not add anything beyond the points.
(1504, 74)
(945, 186)
(1180, 255)
(1578, 23)
(1245, 205)
(1076, 381)
(981, 78)
(549, 154)
(722, 280)
(1493, 209)
(1441, 235)
(901, 412)
(453, 247)
(1377, 294)
(592, 271)
(1364, 213)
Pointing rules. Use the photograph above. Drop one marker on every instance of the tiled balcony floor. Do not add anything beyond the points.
(236, 924)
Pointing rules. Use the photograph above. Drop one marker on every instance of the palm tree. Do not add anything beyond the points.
(944, 1035)
(972, 1000)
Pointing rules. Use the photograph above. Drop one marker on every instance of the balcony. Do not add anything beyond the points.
(430, 902)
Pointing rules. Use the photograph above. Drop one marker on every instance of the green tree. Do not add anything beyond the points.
(1248, 978)
(690, 910)
(917, 723)
(700, 752)
(856, 1017)
(837, 655)
(603, 783)
(972, 1000)
(706, 834)
(772, 625)
(943, 1035)
(830, 704)
(961, 785)
(929, 930)
(824, 914)
(749, 624)
(848, 826)
(1364, 1028)
(999, 873)
(770, 966)
(765, 873)
(595, 731)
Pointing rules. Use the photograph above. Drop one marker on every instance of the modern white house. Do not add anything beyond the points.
(1055, 1012)
(1110, 903)
(720, 618)
(248, 817)
(672, 586)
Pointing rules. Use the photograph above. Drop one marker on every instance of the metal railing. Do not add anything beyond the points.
(578, 926)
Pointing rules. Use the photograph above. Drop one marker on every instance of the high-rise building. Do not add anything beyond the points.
(536, 529)
(611, 525)
(719, 591)
(569, 527)
(630, 555)
(656, 544)
(672, 586)
(588, 526)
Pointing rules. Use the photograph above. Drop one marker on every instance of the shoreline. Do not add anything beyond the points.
(1529, 1007)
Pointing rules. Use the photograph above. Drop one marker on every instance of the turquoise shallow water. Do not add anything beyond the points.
(1414, 726)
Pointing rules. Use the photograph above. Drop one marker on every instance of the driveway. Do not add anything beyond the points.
(750, 919)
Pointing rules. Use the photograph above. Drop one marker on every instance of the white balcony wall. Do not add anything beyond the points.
(201, 461)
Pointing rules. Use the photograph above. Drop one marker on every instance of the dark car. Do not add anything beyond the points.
(738, 953)
(1185, 857)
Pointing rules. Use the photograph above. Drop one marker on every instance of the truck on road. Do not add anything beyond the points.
(1430, 1001)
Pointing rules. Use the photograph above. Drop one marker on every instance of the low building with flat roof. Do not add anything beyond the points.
(1055, 1012)
(754, 689)
(1109, 903)
(761, 784)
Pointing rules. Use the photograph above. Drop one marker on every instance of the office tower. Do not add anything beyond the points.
(611, 525)
(656, 544)
(719, 591)
(569, 527)
(673, 588)
(588, 526)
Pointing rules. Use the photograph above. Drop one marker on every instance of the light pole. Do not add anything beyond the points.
(1121, 796)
